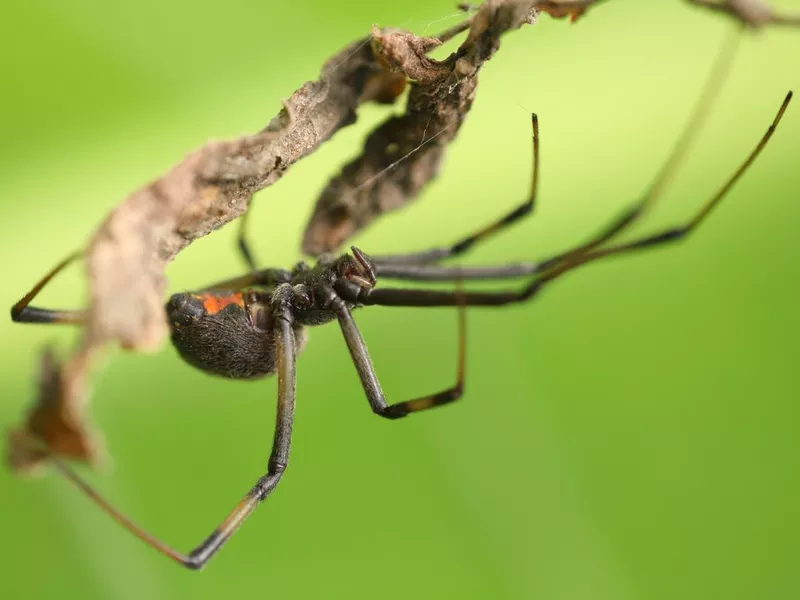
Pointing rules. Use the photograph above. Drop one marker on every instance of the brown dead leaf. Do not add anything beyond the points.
(56, 423)
(404, 154)
(210, 187)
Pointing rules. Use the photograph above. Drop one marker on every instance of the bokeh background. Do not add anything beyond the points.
(629, 435)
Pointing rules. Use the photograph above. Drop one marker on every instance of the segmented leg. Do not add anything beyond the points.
(22, 312)
(278, 461)
(369, 379)
(548, 269)
(712, 86)
(526, 208)
(243, 244)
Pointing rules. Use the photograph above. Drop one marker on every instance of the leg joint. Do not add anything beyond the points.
(195, 561)
(276, 467)
(392, 411)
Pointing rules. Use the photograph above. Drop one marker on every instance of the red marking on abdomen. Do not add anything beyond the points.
(213, 303)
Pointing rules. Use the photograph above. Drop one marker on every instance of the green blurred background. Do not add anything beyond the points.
(629, 435)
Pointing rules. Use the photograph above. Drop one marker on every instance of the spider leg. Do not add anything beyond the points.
(546, 270)
(526, 208)
(417, 297)
(278, 460)
(443, 273)
(655, 190)
(369, 379)
(242, 244)
(22, 312)
(412, 297)
(714, 82)
(680, 232)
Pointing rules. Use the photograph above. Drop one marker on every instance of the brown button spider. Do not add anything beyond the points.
(253, 326)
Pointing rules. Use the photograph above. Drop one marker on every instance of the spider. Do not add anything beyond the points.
(253, 326)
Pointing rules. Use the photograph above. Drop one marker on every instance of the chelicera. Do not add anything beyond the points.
(253, 326)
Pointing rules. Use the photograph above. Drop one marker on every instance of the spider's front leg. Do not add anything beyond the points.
(366, 370)
(550, 269)
(23, 312)
(435, 255)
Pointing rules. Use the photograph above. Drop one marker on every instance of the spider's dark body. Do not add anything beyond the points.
(231, 332)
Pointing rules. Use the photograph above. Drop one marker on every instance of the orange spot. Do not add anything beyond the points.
(214, 303)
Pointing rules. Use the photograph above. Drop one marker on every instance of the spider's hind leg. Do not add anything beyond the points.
(242, 243)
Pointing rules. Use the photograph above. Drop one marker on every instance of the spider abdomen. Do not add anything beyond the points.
(223, 341)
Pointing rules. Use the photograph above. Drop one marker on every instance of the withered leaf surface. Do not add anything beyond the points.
(56, 422)
(404, 153)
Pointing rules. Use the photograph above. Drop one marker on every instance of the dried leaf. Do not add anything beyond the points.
(56, 423)
(212, 186)
(404, 153)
